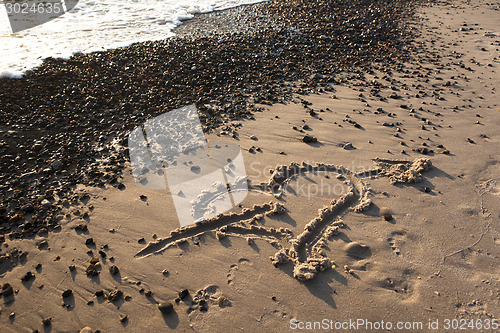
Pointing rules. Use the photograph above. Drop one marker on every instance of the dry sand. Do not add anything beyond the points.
(410, 243)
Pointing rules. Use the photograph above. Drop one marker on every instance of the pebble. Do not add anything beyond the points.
(348, 146)
(7, 290)
(57, 165)
(28, 276)
(115, 296)
(183, 294)
(203, 305)
(309, 139)
(114, 270)
(67, 293)
(166, 307)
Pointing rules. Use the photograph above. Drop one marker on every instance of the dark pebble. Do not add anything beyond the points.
(115, 295)
(309, 139)
(28, 276)
(114, 270)
(166, 307)
(203, 306)
(183, 294)
(7, 290)
(67, 293)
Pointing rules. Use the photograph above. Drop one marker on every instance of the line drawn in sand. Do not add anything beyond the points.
(306, 250)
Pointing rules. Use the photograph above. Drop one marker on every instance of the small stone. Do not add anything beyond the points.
(114, 270)
(46, 321)
(348, 146)
(423, 150)
(309, 139)
(203, 306)
(7, 290)
(253, 137)
(57, 165)
(221, 301)
(166, 307)
(148, 293)
(123, 319)
(94, 261)
(115, 295)
(72, 268)
(89, 241)
(67, 293)
(82, 228)
(43, 244)
(28, 276)
(86, 330)
(183, 294)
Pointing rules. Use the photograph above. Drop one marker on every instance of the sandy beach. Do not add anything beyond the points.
(373, 175)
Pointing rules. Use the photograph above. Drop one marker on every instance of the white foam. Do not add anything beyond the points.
(95, 25)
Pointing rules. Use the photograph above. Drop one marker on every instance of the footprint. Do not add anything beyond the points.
(397, 239)
(403, 284)
(357, 251)
(242, 263)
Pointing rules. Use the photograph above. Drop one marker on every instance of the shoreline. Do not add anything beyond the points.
(116, 90)
(62, 50)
